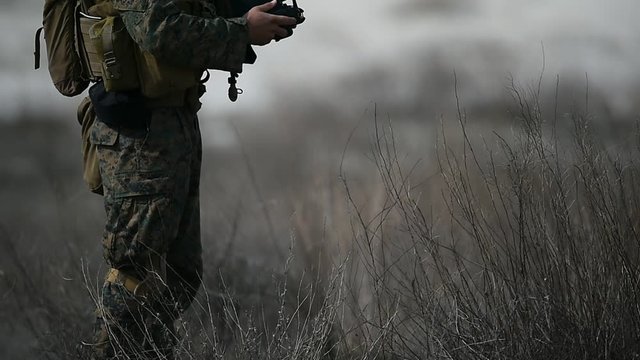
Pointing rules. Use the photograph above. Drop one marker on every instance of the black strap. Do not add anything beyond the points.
(36, 52)
(84, 6)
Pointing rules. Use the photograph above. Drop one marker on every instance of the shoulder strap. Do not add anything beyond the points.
(36, 52)
(85, 5)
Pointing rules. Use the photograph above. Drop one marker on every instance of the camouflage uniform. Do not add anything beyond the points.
(151, 184)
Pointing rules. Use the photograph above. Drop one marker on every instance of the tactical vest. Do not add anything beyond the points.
(116, 59)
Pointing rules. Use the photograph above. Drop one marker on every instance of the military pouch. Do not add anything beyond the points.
(120, 109)
(92, 59)
(158, 79)
(90, 163)
(115, 53)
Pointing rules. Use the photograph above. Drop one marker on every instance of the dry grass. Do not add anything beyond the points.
(522, 244)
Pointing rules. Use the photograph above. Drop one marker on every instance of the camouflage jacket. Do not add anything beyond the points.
(187, 33)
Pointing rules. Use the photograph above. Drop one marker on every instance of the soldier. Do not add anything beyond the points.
(150, 168)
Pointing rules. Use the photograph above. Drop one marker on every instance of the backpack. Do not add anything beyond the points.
(67, 64)
(69, 70)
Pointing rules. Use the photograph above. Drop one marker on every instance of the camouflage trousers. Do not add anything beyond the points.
(151, 181)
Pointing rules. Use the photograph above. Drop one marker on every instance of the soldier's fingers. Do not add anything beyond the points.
(281, 32)
(283, 20)
(267, 6)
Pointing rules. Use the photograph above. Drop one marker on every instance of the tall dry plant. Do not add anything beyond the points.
(534, 257)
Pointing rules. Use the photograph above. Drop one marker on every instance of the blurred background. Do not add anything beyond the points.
(349, 54)
(273, 159)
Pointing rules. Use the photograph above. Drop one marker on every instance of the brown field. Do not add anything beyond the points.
(498, 231)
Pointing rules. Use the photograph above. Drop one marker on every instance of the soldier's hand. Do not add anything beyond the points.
(264, 27)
